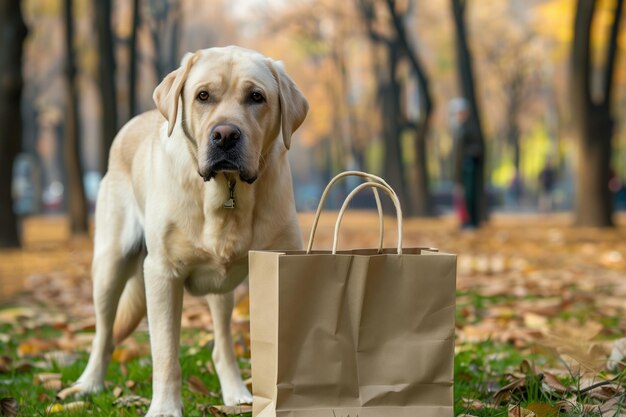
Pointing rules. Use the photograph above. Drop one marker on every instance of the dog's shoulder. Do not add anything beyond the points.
(137, 132)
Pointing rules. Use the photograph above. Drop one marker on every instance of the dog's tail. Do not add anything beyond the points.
(131, 309)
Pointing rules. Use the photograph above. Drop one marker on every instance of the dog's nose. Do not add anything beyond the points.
(225, 136)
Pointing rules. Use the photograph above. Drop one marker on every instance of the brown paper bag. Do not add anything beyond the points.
(367, 333)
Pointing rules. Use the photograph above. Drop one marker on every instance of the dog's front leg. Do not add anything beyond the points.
(164, 297)
(233, 389)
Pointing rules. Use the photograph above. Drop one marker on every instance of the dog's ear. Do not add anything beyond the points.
(293, 104)
(167, 93)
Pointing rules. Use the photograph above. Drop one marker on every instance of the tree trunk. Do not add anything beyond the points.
(421, 201)
(12, 38)
(71, 149)
(165, 33)
(393, 163)
(133, 57)
(593, 120)
(173, 58)
(106, 78)
(466, 79)
(389, 93)
(344, 111)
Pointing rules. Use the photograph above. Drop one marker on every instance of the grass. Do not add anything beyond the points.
(481, 369)
(34, 398)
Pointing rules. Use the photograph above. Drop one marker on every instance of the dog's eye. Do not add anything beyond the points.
(257, 97)
(203, 96)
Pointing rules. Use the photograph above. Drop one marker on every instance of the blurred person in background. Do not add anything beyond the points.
(616, 185)
(468, 153)
(547, 182)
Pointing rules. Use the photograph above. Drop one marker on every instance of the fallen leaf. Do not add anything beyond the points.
(215, 412)
(23, 366)
(73, 406)
(131, 401)
(9, 407)
(88, 324)
(504, 394)
(53, 384)
(11, 315)
(526, 368)
(605, 392)
(226, 410)
(552, 384)
(117, 391)
(518, 411)
(44, 377)
(197, 386)
(124, 355)
(612, 406)
(34, 347)
(536, 322)
(543, 409)
(473, 404)
(5, 364)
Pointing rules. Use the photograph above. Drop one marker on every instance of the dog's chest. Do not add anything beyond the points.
(213, 246)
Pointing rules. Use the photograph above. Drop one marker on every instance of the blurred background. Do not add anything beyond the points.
(396, 87)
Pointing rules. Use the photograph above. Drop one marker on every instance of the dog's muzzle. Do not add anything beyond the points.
(225, 149)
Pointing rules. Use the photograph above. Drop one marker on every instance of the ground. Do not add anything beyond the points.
(539, 307)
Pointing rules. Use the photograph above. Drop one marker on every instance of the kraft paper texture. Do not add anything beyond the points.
(352, 334)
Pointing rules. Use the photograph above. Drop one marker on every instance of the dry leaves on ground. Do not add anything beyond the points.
(529, 281)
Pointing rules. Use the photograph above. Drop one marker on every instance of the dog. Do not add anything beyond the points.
(191, 188)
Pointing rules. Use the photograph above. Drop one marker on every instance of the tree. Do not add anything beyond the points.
(12, 38)
(132, 71)
(396, 47)
(71, 148)
(165, 33)
(421, 203)
(467, 84)
(106, 78)
(593, 117)
(513, 55)
(389, 93)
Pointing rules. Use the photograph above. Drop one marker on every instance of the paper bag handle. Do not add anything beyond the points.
(370, 178)
(394, 198)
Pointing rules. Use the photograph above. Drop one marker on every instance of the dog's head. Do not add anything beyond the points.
(232, 103)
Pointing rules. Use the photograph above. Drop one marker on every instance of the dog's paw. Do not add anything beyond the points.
(164, 412)
(236, 395)
(80, 388)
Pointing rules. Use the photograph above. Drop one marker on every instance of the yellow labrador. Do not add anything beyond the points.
(191, 188)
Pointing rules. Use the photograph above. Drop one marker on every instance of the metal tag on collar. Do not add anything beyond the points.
(230, 203)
